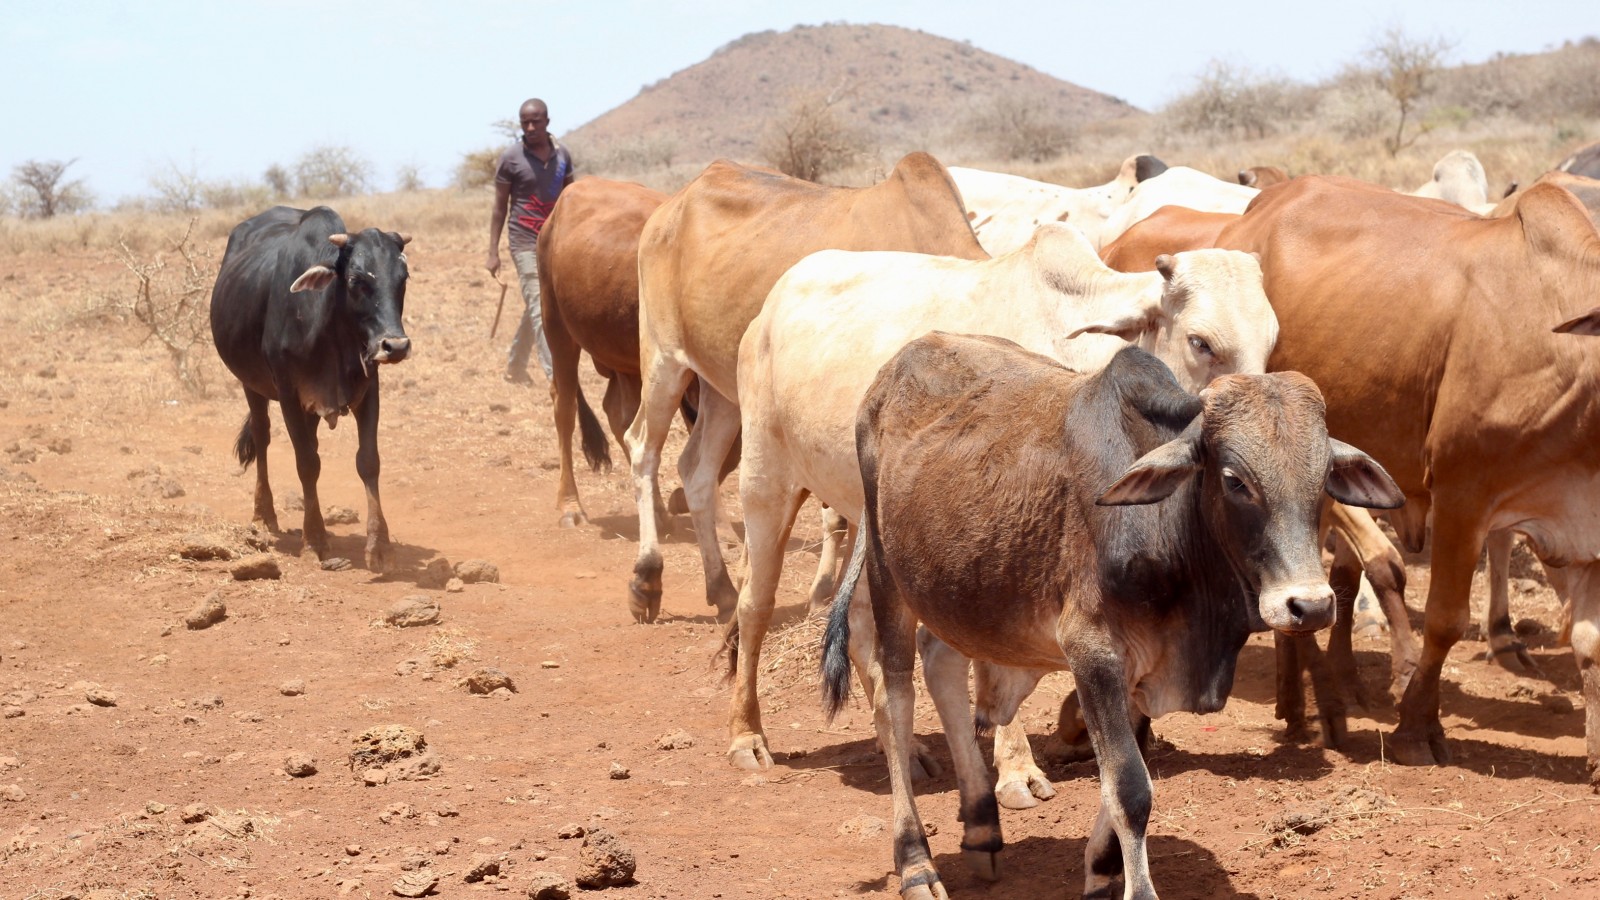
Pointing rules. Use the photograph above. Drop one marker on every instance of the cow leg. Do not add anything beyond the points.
(1021, 784)
(380, 551)
(1419, 738)
(1331, 712)
(302, 429)
(1345, 579)
(1117, 843)
(1291, 708)
(1581, 585)
(893, 706)
(665, 381)
(770, 505)
(260, 436)
(834, 528)
(715, 430)
(1070, 743)
(564, 394)
(1505, 647)
(945, 672)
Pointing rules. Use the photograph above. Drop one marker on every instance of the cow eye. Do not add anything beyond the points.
(1200, 346)
(1235, 484)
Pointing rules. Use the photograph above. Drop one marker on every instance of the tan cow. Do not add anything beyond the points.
(834, 318)
(707, 259)
(1429, 331)
(1005, 209)
(589, 287)
(1177, 186)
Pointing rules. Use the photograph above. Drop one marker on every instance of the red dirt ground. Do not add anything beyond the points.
(92, 583)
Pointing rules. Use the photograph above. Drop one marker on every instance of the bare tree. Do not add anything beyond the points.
(408, 177)
(1022, 127)
(330, 171)
(278, 181)
(810, 141)
(1405, 68)
(177, 189)
(43, 193)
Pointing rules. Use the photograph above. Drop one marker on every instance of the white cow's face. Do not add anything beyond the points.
(1216, 319)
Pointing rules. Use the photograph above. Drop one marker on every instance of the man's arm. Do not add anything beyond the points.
(497, 224)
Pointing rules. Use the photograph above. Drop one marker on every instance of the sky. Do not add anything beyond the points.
(225, 90)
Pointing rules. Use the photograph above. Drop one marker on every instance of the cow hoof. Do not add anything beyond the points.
(923, 765)
(931, 891)
(269, 522)
(380, 557)
(1296, 733)
(749, 753)
(336, 564)
(1417, 753)
(678, 502)
(644, 603)
(1335, 731)
(573, 519)
(984, 863)
(1514, 657)
(1015, 795)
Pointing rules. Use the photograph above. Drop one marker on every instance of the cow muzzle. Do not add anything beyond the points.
(391, 349)
(1298, 608)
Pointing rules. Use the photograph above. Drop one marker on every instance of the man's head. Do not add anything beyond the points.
(534, 118)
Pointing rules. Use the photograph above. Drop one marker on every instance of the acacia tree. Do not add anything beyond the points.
(1405, 68)
(329, 171)
(810, 140)
(42, 192)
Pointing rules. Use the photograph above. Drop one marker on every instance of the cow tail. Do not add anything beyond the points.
(595, 447)
(245, 446)
(836, 639)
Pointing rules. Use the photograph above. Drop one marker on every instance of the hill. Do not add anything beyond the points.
(906, 87)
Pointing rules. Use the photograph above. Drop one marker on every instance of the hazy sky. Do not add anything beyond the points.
(229, 88)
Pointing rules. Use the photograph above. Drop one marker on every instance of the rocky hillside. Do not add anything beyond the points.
(903, 86)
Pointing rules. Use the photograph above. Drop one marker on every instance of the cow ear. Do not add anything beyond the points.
(1588, 323)
(313, 279)
(1247, 178)
(1167, 266)
(1356, 479)
(1129, 325)
(1154, 476)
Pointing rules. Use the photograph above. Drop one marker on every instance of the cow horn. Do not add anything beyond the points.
(404, 238)
(1167, 266)
(339, 240)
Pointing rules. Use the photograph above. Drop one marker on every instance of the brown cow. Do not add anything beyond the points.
(1587, 190)
(589, 285)
(1040, 519)
(1262, 176)
(1169, 230)
(707, 259)
(1429, 330)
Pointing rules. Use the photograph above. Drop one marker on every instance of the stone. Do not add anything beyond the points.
(12, 712)
(352, 850)
(477, 571)
(604, 861)
(300, 765)
(195, 812)
(340, 515)
(374, 777)
(394, 812)
(436, 574)
(619, 772)
(210, 701)
(202, 547)
(210, 611)
(294, 687)
(402, 753)
(488, 679)
(570, 830)
(13, 793)
(483, 865)
(337, 564)
(454, 586)
(100, 697)
(548, 886)
(255, 567)
(155, 808)
(412, 611)
(415, 884)
(677, 740)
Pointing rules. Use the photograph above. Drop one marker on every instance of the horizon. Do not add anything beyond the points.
(116, 88)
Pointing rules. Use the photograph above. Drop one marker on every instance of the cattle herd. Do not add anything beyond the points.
(1105, 430)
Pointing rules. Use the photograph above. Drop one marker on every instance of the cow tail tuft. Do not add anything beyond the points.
(245, 447)
(596, 450)
(836, 639)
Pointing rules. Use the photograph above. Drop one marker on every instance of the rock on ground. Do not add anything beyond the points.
(484, 864)
(415, 884)
(548, 886)
(100, 697)
(300, 764)
(488, 679)
(401, 752)
(409, 612)
(204, 547)
(195, 812)
(474, 571)
(677, 740)
(604, 861)
(294, 687)
(13, 793)
(256, 566)
(340, 515)
(436, 574)
(210, 611)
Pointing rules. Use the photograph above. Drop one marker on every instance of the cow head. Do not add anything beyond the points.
(368, 290)
(1261, 448)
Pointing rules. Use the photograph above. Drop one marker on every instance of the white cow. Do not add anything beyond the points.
(1006, 209)
(1458, 178)
(1177, 186)
(836, 317)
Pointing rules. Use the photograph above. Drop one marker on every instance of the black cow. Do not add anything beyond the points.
(302, 313)
(1584, 161)
(1037, 519)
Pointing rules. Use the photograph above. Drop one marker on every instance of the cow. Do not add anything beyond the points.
(1005, 209)
(1114, 525)
(303, 312)
(1458, 178)
(1440, 360)
(835, 317)
(707, 259)
(1587, 190)
(1170, 229)
(1260, 177)
(1177, 186)
(1585, 162)
(589, 288)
